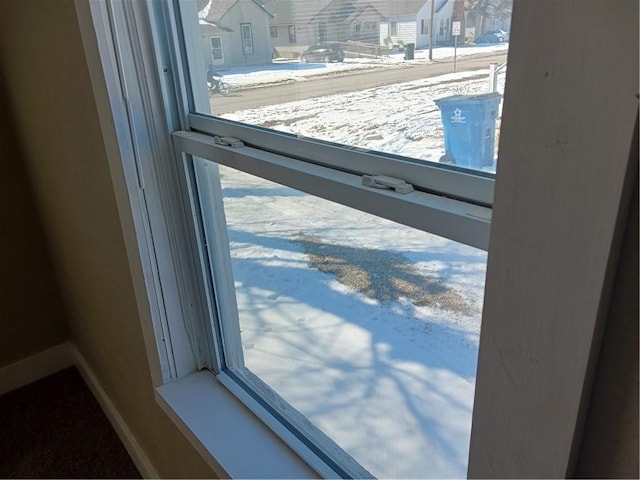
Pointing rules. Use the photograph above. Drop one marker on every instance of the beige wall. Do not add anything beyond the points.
(49, 91)
(31, 308)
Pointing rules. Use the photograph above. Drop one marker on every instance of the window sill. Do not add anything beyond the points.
(234, 442)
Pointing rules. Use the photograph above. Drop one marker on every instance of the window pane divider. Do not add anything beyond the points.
(453, 219)
(471, 186)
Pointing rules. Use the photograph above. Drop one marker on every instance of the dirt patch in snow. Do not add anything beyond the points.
(381, 275)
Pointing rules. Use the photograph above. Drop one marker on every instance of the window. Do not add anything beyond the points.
(332, 262)
(322, 32)
(232, 249)
(292, 34)
(217, 55)
(342, 253)
(247, 38)
(394, 28)
(274, 31)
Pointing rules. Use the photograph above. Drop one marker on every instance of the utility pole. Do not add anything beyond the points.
(433, 2)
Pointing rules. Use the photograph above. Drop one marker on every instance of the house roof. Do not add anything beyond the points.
(395, 8)
(342, 11)
(337, 11)
(217, 9)
(441, 5)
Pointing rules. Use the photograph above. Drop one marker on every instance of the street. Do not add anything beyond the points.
(242, 99)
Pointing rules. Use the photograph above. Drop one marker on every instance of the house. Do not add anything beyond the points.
(291, 27)
(298, 24)
(72, 286)
(409, 22)
(235, 32)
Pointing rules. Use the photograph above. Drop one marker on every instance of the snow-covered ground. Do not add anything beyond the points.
(401, 119)
(367, 327)
(294, 70)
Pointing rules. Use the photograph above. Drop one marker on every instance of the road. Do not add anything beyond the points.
(348, 82)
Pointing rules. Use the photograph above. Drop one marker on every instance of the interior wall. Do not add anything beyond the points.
(32, 317)
(49, 91)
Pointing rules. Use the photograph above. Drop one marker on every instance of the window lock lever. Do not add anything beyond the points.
(381, 181)
(228, 142)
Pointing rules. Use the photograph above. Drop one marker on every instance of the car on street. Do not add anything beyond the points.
(323, 52)
(493, 36)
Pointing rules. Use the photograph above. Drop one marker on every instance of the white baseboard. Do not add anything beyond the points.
(67, 355)
(128, 439)
(36, 367)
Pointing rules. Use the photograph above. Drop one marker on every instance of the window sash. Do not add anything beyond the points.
(457, 220)
(445, 217)
(450, 181)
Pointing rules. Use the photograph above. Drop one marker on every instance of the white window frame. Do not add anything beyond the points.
(118, 38)
(214, 60)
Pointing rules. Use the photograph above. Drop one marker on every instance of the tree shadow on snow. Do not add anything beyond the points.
(381, 278)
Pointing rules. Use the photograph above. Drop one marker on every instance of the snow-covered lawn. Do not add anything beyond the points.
(367, 327)
(401, 119)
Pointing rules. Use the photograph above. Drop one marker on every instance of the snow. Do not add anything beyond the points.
(375, 118)
(293, 70)
(328, 300)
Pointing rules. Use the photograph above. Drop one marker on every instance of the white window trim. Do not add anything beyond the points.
(495, 442)
(214, 61)
(224, 431)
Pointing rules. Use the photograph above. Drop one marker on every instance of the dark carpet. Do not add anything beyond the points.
(55, 428)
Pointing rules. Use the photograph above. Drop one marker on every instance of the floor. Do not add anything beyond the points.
(54, 428)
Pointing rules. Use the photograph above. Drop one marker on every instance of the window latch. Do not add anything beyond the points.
(228, 142)
(381, 181)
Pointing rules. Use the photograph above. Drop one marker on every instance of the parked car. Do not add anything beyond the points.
(493, 36)
(323, 52)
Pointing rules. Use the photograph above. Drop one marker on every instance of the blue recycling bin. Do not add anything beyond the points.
(469, 123)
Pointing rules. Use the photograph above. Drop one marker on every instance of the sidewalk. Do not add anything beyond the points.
(287, 71)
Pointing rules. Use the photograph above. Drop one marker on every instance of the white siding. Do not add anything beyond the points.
(384, 32)
(407, 31)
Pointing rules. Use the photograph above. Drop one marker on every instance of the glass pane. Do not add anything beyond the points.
(368, 328)
(408, 78)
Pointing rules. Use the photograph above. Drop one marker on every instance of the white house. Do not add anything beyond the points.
(408, 21)
(235, 32)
